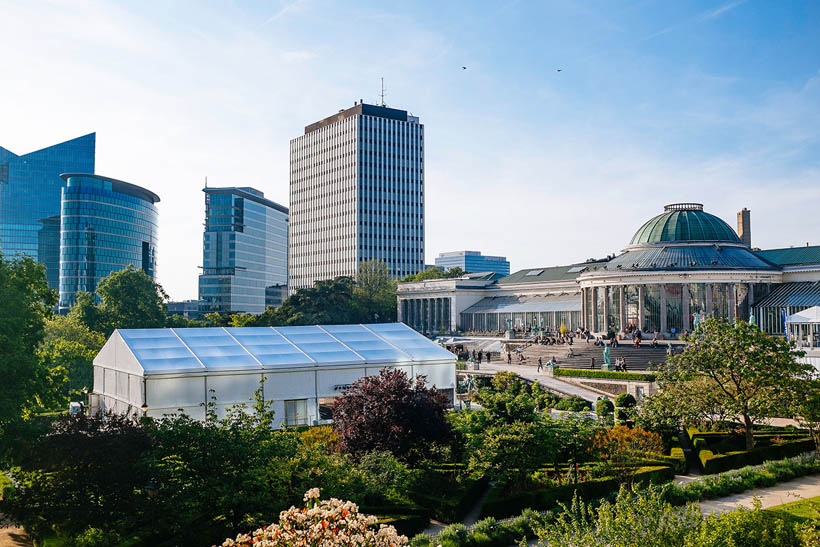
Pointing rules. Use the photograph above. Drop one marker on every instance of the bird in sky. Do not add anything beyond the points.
(464, 68)
(559, 70)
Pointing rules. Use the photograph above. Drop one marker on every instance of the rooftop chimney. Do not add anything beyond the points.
(744, 226)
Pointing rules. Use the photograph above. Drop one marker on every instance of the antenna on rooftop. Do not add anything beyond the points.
(206, 181)
(382, 93)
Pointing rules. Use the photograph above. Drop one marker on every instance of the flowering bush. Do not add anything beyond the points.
(322, 524)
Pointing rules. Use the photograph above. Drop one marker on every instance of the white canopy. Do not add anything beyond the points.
(809, 316)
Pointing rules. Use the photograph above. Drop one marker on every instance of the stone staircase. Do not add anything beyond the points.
(637, 359)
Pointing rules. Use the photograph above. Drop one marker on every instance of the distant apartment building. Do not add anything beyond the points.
(189, 309)
(30, 193)
(105, 226)
(356, 194)
(245, 251)
(473, 262)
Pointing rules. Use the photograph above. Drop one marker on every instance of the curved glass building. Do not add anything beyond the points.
(105, 225)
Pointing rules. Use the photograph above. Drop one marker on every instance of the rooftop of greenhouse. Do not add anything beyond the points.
(223, 349)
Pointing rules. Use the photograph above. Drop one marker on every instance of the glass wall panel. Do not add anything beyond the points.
(652, 308)
(697, 303)
(614, 299)
(674, 304)
(631, 305)
(600, 295)
(590, 309)
(720, 300)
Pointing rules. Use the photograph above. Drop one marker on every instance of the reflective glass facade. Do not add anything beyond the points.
(30, 191)
(474, 262)
(245, 251)
(105, 226)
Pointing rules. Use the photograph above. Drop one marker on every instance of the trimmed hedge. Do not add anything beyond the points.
(499, 505)
(609, 374)
(676, 459)
(487, 532)
(741, 480)
(718, 463)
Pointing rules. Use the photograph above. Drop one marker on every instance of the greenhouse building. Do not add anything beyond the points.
(163, 371)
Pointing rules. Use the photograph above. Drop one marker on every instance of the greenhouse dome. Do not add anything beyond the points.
(161, 371)
(684, 222)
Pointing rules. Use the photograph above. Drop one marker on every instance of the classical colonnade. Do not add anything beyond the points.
(662, 307)
(427, 314)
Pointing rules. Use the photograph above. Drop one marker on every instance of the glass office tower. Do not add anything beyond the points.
(105, 225)
(245, 251)
(30, 190)
(356, 194)
(473, 262)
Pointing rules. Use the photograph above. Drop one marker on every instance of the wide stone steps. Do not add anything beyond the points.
(636, 358)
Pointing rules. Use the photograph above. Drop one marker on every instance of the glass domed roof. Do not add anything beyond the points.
(684, 222)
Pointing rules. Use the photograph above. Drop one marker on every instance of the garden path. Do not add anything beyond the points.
(785, 492)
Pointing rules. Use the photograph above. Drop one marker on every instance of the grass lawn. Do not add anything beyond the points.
(798, 511)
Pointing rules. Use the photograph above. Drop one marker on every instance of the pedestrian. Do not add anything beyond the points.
(592, 363)
(540, 364)
(509, 358)
(488, 357)
(480, 356)
(623, 364)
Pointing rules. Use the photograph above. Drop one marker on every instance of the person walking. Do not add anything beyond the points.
(592, 363)
(509, 358)
(540, 364)
(488, 357)
(480, 355)
(623, 364)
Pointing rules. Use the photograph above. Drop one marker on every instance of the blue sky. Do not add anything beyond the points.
(656, 102)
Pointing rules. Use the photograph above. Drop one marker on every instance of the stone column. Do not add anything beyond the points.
(584, 314)
(641, 310)
(731, 292)
(429, 314)
(453, 315)
(684, 308)
(622, 305)
(595, 326)
(606, 308)
(400, 311)
(663, 326)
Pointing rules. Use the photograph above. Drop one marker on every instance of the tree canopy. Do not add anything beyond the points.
(25, 304)
(434, 272)
(390, 412)
(733, 367)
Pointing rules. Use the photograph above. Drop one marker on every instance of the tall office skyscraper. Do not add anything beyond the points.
(356, 193)
(105, 226)
(245, 251)
(30, 191)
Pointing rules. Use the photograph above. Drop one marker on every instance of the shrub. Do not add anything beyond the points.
(604, 407)
(574, 404)
(718, 463)
(625, 400)
(581, 373)
(322, 522)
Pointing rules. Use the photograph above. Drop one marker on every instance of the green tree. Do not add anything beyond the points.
(70, 344)
(805, 405)
(25, 304)
(375, 292)
(130, 299)
(86, 311)
(434, 272)
(328, 302)
(750, 371)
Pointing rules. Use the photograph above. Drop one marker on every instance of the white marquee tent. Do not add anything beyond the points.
(160, 371)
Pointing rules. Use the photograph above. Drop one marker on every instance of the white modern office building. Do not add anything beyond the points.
(473, 262)
(356, 193)
(164, 371)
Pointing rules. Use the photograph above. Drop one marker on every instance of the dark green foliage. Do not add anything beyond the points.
(25, 304)
(625, 400)
(718, 463)
(604, 407)
(434, 272)
(498, 504)
(583, 373)
(574, 404)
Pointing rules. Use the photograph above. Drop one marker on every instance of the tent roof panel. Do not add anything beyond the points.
(169, 351)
